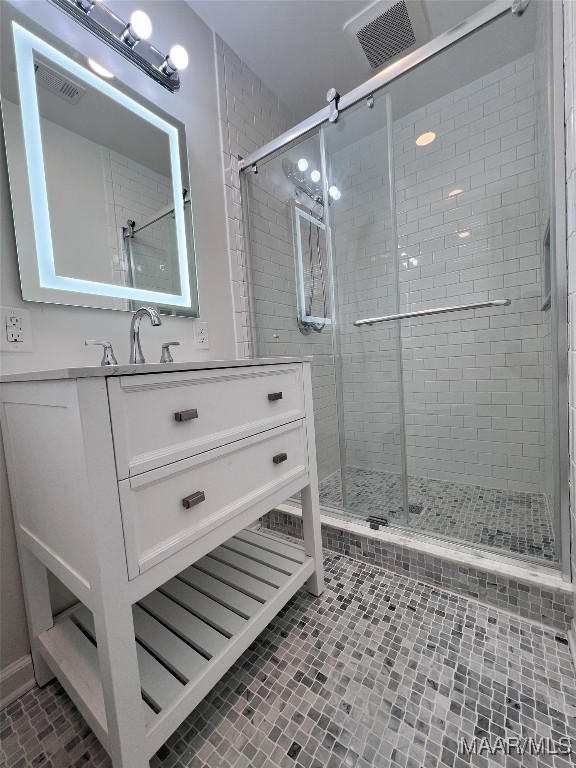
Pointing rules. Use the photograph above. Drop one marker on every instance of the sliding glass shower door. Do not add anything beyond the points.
(361, 221)
(440, 209)
(433, 200)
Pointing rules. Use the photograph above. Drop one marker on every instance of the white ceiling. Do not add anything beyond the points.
(291, 43)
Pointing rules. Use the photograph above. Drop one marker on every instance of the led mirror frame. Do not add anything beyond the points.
(25, 44)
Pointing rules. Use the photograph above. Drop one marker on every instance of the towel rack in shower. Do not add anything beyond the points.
(436, 311)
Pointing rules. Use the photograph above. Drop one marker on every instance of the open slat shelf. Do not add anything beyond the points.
(187, 631)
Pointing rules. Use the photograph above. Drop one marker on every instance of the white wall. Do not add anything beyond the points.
(59, 332)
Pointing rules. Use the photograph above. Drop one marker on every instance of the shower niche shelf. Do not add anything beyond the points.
(187, 631)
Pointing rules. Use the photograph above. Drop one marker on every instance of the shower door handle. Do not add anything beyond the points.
(436, 311)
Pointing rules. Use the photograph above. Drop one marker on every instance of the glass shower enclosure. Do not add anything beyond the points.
(432, 200)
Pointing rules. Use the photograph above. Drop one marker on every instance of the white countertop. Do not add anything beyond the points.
(130, 370)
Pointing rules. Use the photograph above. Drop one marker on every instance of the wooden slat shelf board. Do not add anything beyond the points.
(245, 565)
(187, 631)
(271, 544)
(250, 585)
(261, 555)
(218, 616)
(159, 685)
(227, 596)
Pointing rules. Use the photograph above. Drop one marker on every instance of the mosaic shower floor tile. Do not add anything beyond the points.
(512, 521)
(381, 671)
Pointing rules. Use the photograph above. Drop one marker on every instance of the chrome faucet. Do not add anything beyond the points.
(136, 355)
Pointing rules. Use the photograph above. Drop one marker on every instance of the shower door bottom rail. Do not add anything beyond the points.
(435, 311)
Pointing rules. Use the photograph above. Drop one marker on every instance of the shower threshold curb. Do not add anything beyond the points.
(529, 574)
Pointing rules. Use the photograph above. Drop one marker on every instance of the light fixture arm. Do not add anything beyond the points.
(119, 35)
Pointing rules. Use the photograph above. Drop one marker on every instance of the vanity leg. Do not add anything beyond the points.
(313, 536)
(309, 497)
(38, 608)
(121, 684)
(111, 606)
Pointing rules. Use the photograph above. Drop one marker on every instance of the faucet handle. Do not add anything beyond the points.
(108, 357)
(166, 356)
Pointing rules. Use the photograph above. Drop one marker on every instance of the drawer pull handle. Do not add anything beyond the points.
(275, 396)
(279, 458)
(186, 415)
(193, 499)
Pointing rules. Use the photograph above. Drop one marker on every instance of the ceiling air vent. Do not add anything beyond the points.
(54, 82)
(387, 30)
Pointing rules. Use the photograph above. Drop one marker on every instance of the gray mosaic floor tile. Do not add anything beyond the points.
(380, 671)
(511, 521)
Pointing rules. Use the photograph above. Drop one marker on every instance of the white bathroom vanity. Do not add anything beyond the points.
(135, 485)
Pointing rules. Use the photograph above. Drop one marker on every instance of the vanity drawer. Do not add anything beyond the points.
(161, 418)
(166, 509)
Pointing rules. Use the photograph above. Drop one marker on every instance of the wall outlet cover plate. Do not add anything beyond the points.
(15, 330)
(201, 336)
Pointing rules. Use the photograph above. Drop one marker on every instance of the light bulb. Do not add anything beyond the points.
(141, 24)
(463, 234)
(425, 138)
(179, 56)
(302, 164)
(454, 192)
(334, 192)
(99, 69)
(315, 176)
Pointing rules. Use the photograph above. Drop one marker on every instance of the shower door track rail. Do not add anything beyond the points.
(435, 311)
(439, 43)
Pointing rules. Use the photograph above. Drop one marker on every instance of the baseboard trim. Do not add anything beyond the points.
(15, 680)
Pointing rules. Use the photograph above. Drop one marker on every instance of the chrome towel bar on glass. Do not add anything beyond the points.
(437, 311)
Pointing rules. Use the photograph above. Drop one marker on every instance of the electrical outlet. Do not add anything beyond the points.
(201, 336)
(15, 330)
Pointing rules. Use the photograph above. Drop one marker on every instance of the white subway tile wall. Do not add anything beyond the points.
(265, 300)
(570, 113)
(474, 382)
(250, 115)
(136, 192)
(366, 280)
(274, 296)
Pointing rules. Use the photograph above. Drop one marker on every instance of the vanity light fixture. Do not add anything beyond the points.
(302, 164)
(425, 138)
(99, 69)
(315, 176)
(128, 39)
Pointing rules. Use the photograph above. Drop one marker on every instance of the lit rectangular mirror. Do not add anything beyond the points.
(99, 183)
